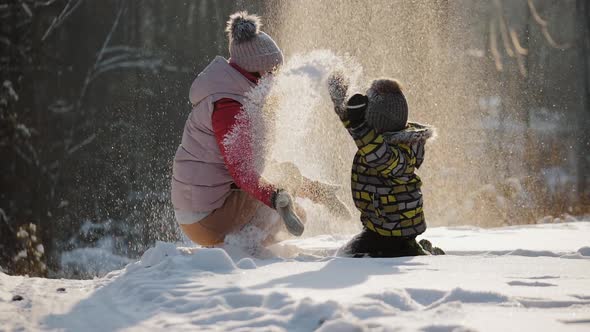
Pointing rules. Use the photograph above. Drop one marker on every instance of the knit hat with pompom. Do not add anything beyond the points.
(388, 108)
(249, 47)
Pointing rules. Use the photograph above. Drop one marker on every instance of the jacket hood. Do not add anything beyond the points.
(414, 133)
(218, 77)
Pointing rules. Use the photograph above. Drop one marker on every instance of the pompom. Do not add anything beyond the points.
(242, 27)
(386, 86)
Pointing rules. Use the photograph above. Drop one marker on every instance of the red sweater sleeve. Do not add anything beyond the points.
(224, 120)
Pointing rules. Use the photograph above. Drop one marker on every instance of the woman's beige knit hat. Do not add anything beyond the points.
(249, 47)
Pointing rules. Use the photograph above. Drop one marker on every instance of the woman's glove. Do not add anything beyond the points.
(288, 176)
(325, 194)
(283, 203)
(356, 108)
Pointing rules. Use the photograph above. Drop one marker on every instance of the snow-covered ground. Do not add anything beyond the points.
(526, 278)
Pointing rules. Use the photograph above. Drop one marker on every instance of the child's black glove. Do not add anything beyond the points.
(356, 108)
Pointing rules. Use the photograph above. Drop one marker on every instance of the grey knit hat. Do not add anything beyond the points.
(249, 47)
(388, 108)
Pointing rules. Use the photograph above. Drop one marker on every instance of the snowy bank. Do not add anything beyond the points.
(534, 278)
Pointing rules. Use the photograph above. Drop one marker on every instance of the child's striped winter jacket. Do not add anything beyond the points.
(384, 186)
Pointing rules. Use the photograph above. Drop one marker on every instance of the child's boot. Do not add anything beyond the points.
(437, 251)
(427, 245)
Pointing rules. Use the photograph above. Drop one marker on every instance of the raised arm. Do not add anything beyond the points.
(389, 160)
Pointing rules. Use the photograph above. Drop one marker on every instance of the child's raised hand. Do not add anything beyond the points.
(338, 87)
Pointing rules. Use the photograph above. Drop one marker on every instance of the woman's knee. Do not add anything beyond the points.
(201, 235)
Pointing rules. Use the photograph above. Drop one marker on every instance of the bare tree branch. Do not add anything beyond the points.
(494, 46)
(552, 41)
(69, 8)
(120, 48)
(89, 74)
(44, 4)
(33, 153)
(510, 38)
(517, 45)
(82, 144)
(521, 65)
(22, 155)
(504, 28)
(60, 107)
(128, 52)
(26, 8)
(4, 218)
(152, 64)
(521, 52)
(540, 21)
(544, 27)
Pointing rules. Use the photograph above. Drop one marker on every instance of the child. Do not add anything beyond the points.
(385, 188)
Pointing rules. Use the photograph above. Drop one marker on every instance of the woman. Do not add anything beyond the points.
(213, 192)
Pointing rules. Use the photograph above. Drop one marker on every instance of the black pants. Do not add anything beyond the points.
(371, 244)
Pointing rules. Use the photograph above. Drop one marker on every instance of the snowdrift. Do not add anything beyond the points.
(534, 278)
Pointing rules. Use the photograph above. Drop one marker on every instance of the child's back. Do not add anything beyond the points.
(384, 185)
